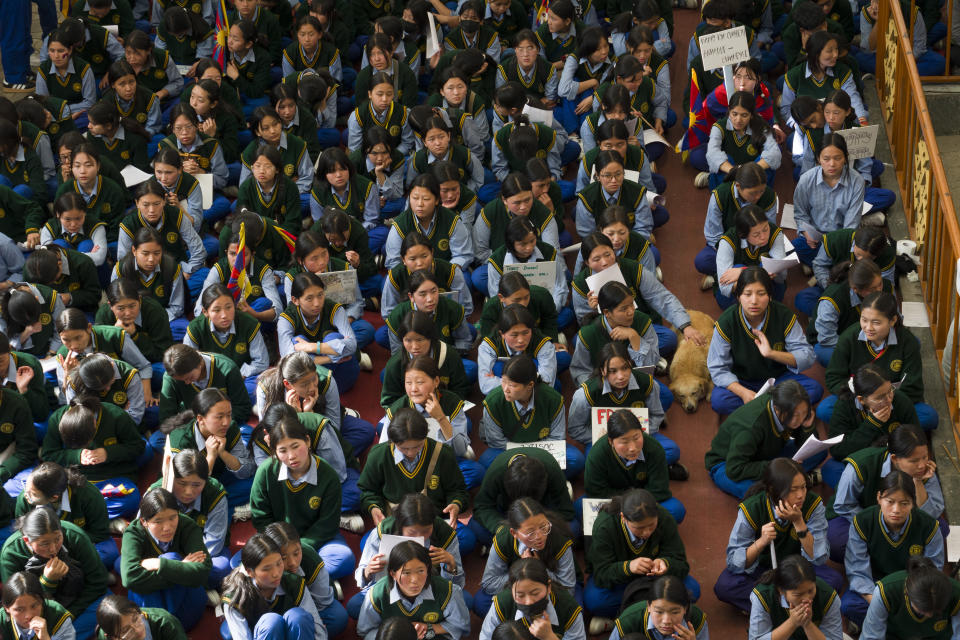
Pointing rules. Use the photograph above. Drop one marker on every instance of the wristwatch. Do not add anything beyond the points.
(803, 534)
(429, 635)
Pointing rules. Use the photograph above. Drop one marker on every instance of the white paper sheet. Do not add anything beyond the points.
(591, 507)
(132, 176)
(774, 265)
(813, 446)
(206, 189)
(576, 247)
(389, 541)
(610, 274)
(787, 219)
(767, 386)
(433, 46)
(557, 448)
(953, 544)
(542, 116)
(651, 135)
(915, 314)
(600, 415)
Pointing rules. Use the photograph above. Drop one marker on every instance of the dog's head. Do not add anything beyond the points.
(688, 391)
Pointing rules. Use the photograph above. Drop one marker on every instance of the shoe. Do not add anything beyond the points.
(815, 476)
(337, 589)
(853, 629)
(381, 260)
(661, 367)
(600, 625)
(19, 87)
(470, 453)
(111, 579)
(117, 526)
(352, 522)
(812, 282)
(484, 550)
(562, 339)
(351, 412)
(242, 513)
(678, 472)
(371, 304)
(875, 219)
(707, 283)
(807, 270)
(702, 181)
(213, 598)
(365, 363)
(570, 489)
(659, 274)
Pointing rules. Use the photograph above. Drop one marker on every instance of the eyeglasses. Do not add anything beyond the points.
(128, 632)
(611, 176)
(183, 128)
(543, 530)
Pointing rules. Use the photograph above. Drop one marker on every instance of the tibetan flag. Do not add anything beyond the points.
(698, 131)
(222, 28)
(541, 15)
(239, 284)
(288, 238)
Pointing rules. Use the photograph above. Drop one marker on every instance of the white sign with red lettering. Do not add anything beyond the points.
(600, 415)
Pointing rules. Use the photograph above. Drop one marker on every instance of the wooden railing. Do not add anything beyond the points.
(931, 218)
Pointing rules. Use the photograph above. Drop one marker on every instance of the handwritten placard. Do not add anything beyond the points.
(557, 448)
(591, 507)
(543, 274)
(724, 47)
(600, 415)
(389, 541)
(340, 286)
(861, 141)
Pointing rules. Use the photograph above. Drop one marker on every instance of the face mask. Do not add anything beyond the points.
(534, 609)
(470, 27)
(410, 27)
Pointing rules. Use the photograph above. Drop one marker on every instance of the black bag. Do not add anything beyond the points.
(637, 590)
(70, 585)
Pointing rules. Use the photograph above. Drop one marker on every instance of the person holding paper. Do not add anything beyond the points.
(490, 228)
(417, 253)
(920, 601)
(650, 295)
(225, 328)
(758, 432)
(611, 189)
(781, 517)
(635, 542)
(421, 380)
(612, 134)
(522, 246)
(751, 239)
(791, 598)
(880, 339)
(668, 613)
(72, 228)
(200, 155)
(839, 306)
(906, 450)
(749, 186)
(883, 538)
(410, 590)
(516, 333)
(531, 599)
(525, 409)
(350, 242)
(530, 531)
(625, 458)
(614, 222)
(835, 114)
(415, 517)
(754, 340)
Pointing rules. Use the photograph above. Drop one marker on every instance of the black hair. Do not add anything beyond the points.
(414, 510)
(407, 424)
(201, 404)
(622, 421)
(636, 505)
(94, 375)
(833, 139)
(758, 126)
(240, 586)
(747, 218)
(279, 422)
(882, 302)
(190, 462)
(592, 241)
(531, 569)
(110, 614)
(612, 295)
(19, 308)
(787, 397)
(291, 367)
(791, 572)
(751, 275)
(523, 509)
(521, 369)
(22, 583)
(517, 230)
(524, 477)
(419, 277)
(43, 266)
(777, 478)
(816, 43)
(52, 479)
(898, 480)
(303, 281)
(156, 500)
(511, 282)
(405, 552)
(513, 315)
(905, 439)
(72, 319)
(927, 589)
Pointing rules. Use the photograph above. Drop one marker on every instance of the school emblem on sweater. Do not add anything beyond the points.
(109, 442)
(241, 347)
(45, 318)
(395, 130)
(80, 522)
(916, 550)
(160, 73)
(195, 8)
(638, 404)
(431, 617)
(159, 290)
(288, 169)
(268, 254)
(6, 427)
(76, 86)
(74, 286)
(896, 365)
(939, 625)
(752, 150)
(443, 244)
(541, 154)
(544, 433)
(641, 476)
(54, 127)
(204, 163)
(779, 346)
(120, 398)
(171, 237)
(125, 154)
(434, 483)
(2, 213)
(105, 207)
(141, 118)
(256, 291)
(645, 107)
(315, 502)
(97, 58)
(836, 84)
(116, 19)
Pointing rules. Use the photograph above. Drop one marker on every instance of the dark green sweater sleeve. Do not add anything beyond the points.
(254, 82)
(36, 395)
(88, 295)
(609, 571)
(912, 386)
(672, 550)
(359, 242)
(451, 479)
(164, 625)
(742, 456)
(129, 445)
(169, 398)
(658, 478)
(94, 573)
(190, 574)
(16, 412)
(39, 186)
(239, 399)
(838, 369)
(137, 546)
(372, 479)
(261, 507)
(94, 509)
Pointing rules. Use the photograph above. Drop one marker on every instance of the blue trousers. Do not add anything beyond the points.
(472, 471)
(186, 603)
(350, 492)
(372, 287)
(576, 461)
(294, 624)
(838, 532)
(358, 432)
(221, 567)
(823, 353)
(377, 238)
(15, 41)
(666, 396)
(853, 607)
(108, 552)
(738, 488)
(85, 625)
(334, 618)
(726, 402)
(238, 489)
(606, 602)
(706, 261)
(121, 506)
(735, 588)
(666, 340)
(338, 557)
(345, 372)
(806, 299)
(363, 331)
(805, 253)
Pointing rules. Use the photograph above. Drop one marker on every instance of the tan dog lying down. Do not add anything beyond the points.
(689, 377)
